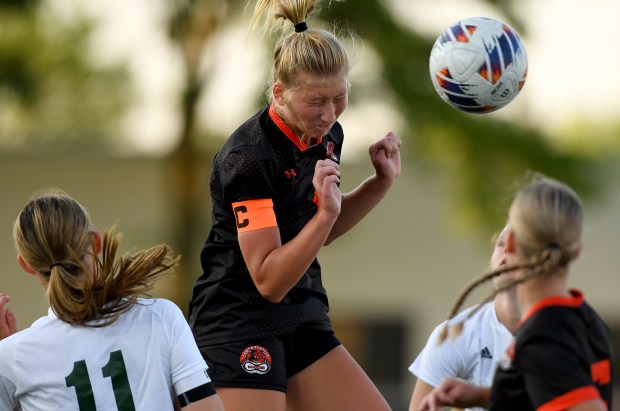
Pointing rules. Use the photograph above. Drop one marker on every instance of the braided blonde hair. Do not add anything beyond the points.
(546, 218)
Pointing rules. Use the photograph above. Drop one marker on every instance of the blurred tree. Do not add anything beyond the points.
(51, 96)
(192, 24)
(480, 156)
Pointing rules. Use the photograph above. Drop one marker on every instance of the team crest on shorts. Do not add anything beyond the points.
(256, 360)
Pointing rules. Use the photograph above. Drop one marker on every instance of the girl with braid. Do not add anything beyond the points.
(259, 310)
(560, 358)
(102, 346)
(473, 357)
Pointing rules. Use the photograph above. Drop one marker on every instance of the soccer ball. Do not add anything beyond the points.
(478, 65)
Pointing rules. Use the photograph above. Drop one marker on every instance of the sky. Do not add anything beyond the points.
(570, 46)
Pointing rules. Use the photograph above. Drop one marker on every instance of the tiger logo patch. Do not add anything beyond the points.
(255, 360)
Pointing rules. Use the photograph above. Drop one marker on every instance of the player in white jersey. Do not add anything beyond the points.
(102, 346)
(473, 356)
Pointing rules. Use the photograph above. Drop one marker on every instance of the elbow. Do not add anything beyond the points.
(267, 286)
(270, 293)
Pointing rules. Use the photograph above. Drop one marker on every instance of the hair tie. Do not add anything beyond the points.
(55, 264)
(554, 246)
(301, 27)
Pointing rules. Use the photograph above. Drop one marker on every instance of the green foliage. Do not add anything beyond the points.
(51, 96)
(480, 156)
(18, 4)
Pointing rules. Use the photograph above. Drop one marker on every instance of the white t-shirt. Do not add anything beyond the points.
(473, 356)
(139, 358)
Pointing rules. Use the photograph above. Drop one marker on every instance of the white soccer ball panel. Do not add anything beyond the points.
(478, 65)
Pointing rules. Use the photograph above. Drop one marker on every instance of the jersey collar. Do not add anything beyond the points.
(575, 300)
(290, 134)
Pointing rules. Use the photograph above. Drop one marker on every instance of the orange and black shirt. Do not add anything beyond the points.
(262, 177)
(561, 356)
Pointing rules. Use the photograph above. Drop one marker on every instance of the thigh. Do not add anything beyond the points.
(334, 382)
(251, 399)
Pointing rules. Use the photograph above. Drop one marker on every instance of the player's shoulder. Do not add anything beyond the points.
(475, 324)
(158, 305)
(250, 138)
(482, 314)
(469, 326)
(8, 343)
(38, 330)
(554, 322)
(239, 156)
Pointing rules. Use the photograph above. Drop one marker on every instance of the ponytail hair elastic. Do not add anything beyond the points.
(301, 27)
(56, 264)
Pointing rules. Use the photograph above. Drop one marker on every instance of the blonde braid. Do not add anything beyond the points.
(546, 219)
(549, 259)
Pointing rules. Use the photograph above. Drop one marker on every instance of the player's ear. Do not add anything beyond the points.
(278, 93)
(97, 241)
(511, 242)
(24, 265)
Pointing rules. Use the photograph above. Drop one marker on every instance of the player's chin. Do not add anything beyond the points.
(503, 278)
(322, 130)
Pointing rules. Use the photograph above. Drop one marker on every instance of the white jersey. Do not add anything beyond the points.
(473, 356)
(132, 364)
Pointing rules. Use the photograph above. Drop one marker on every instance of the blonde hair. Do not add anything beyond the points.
(310, 51)
(546, 218)
(53, 233)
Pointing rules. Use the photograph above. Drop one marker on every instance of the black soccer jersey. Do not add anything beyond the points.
(262, 160)
(561, 356)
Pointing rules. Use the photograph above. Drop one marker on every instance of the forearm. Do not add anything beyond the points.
(284, 265)
(484, 396)
(453, 392)
(421, 389)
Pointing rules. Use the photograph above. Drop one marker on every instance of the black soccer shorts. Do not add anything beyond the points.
(269, 362)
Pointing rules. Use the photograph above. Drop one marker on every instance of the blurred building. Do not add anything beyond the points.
(390, 280)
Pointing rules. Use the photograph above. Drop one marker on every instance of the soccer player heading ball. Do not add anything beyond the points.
(259, 310)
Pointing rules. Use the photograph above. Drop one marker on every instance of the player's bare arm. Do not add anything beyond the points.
(385, 157)
(455, 393)
(592, 405)
(276, 268)
(422, 388)
(212, 403)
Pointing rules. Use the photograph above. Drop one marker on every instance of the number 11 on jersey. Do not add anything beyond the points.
(115, 369)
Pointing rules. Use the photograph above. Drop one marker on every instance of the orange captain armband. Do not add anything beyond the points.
(254, 214)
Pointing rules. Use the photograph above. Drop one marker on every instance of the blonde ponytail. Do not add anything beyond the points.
(54, 235)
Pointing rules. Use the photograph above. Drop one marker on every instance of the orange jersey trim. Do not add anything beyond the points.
(575, 300)
(254, 214)
(571, 399)
(601, 372)
(287, 130)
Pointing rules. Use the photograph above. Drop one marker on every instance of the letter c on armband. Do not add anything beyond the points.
(241, 210)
